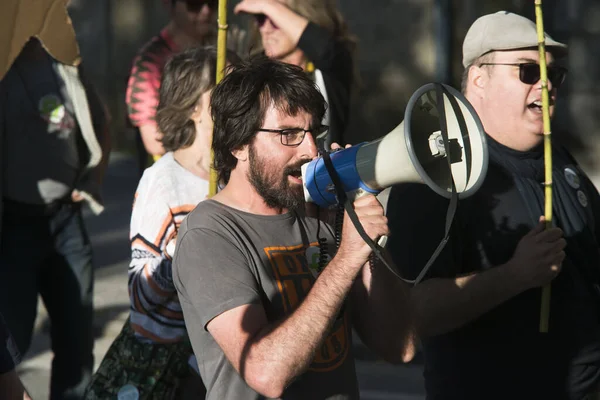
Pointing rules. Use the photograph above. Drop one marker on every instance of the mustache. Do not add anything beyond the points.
(295, 167)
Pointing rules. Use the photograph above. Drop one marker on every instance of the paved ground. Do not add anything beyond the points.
(109, 235)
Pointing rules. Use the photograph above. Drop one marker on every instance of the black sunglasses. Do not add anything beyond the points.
(529, 73)
(196, 5)
(261, 19)
(294, 136)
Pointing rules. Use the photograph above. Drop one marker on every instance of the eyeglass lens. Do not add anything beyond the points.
(530, 74)
(292, 136)
(261, 19)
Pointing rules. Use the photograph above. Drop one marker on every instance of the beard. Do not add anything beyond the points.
(274, 186)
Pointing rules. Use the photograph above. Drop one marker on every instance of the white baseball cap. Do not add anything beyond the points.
(504, 30)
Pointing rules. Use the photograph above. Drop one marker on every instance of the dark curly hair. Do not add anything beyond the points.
(239, 103)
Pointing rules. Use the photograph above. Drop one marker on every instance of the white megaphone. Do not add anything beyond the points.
(440, 140)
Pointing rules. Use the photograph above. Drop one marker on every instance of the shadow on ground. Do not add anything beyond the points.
(102, 317)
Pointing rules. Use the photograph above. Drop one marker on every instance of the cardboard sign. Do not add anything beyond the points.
(48, 20)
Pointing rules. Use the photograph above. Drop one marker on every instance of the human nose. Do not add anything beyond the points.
(538, 84)
(309, 146)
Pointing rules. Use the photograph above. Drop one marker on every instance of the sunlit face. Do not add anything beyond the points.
(197, 24)
(511, 110)
(274, 168)
(204, 124)
(277, 44)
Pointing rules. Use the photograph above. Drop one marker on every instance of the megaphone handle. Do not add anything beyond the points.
(347, 204)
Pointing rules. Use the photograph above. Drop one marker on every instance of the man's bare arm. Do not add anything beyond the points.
(270, 356)
(442, 305)
(382, 313)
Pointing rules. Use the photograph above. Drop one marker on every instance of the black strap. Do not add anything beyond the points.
(343, 198)
(440, 91)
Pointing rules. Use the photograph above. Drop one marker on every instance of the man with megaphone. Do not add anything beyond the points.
(268, 303)
(478, 310)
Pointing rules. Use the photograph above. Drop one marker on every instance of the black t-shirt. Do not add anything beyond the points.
(502, 355)
(9, 355)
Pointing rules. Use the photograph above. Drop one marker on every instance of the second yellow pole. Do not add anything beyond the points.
(221, 62)
(546, 290)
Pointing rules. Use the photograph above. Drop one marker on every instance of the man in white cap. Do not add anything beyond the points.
(478, 311)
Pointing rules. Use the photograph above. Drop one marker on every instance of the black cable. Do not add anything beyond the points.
(339, 224)
(323, 245)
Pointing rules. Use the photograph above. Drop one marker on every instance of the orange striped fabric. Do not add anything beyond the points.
(165, 195)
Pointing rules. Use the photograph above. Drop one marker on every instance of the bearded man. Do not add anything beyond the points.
(265, 317)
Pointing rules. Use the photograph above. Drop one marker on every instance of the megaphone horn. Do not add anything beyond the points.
(440, 141)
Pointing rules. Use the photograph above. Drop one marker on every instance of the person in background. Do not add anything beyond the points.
(192, 23)
(313, 35)
(478, 310)
(55, 147)
(167, 192)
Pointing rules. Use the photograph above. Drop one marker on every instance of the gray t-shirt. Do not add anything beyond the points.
(226, 258)
(41, 159)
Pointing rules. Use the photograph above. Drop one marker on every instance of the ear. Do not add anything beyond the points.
(202, 107)
(477, 80)
(197, 114)
(241, 154)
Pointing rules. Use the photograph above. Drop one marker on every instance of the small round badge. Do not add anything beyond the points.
(128, 392)
(51, 108)
(572, 178)
(582, 198)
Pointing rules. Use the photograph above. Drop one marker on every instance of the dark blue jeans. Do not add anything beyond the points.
(47, 252)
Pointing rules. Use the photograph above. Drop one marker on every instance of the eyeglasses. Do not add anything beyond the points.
(196, 5)
(261, 19)
(294, 136)
(529, 73)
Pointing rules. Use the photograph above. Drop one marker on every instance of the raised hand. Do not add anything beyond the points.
(538, 256)
(253, 7)
(371, 216)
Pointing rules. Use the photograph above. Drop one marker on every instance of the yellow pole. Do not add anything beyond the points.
(545, 307)
(221, 62)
